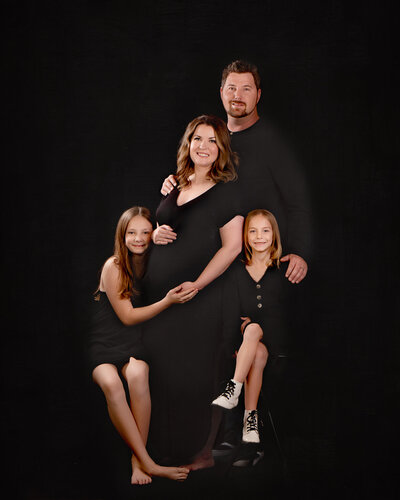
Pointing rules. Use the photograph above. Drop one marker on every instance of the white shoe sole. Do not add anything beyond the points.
(224, 403)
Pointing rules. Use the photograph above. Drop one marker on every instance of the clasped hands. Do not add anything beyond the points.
(182, 293)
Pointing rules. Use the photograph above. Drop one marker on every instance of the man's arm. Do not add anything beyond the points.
(168, 185)
(290, 180)
(297, 268)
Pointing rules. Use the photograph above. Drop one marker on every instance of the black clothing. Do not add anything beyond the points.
(110, 341)
(197, 224)
(184, 339)
(271, 178)
(265, 302)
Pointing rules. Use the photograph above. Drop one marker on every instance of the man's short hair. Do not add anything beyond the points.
(241, 67)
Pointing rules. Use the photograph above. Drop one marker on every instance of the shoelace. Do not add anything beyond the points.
(251, 421)
(229, 389)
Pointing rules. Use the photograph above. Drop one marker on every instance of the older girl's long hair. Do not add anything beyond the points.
(123, 257)
(224, 167)
(276, 246)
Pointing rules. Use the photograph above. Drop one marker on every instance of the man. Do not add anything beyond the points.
(269, 176)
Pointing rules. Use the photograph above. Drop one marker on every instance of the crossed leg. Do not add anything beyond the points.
(250, 363)
(254, 378)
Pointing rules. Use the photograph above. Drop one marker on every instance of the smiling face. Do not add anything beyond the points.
(138, 235)
(203, 146)
(240, 95)
(260, 234)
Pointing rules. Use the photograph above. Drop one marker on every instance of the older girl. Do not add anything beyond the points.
(115, 346)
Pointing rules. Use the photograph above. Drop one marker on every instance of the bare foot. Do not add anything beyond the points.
(138, 475)
(176, 473)
(202, 461)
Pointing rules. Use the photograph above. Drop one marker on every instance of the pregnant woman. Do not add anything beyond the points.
(198, 237)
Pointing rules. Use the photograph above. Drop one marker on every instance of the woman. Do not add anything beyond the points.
(115, 347)
(198, 236)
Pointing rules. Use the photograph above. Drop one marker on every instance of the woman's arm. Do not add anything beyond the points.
(231, 239)
(123, 308)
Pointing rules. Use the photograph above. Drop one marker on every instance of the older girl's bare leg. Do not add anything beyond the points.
(136, 373)
(106, 376)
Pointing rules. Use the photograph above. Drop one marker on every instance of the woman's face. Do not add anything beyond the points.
(260, 233)
(138, 235)
(203, 146)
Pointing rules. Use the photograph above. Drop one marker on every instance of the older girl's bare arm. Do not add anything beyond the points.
(129, 315)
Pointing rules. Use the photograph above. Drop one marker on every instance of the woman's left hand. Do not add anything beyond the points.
(180, 295)
(187, 285)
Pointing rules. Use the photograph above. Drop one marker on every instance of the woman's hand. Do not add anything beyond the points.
(187, 285)
(168, 185)
(163, 235)
(246, 321)
(181, 294)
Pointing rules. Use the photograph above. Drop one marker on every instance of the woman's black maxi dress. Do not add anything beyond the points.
(183, 341)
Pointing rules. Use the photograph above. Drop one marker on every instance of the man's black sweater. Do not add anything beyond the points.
(271, 178)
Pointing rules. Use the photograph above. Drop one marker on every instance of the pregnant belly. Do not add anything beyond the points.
(172, 264)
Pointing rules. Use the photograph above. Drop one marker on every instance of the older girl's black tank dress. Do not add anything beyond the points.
(110, 341)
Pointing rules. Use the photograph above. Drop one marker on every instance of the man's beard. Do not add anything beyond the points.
(237, 113)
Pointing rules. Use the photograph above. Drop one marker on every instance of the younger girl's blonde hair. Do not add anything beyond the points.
(276, 246)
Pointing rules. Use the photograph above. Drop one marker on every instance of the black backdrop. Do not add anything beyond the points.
(98, 95)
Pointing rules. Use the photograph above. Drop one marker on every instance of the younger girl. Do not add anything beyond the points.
(257, 290)
(115, 347)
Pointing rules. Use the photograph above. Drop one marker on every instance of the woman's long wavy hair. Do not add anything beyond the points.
(276, 246)
(123, 257)
(224, 167)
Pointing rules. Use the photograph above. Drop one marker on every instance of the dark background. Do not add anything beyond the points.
(97, 97)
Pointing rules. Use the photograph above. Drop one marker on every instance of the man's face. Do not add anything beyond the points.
(240, 95)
